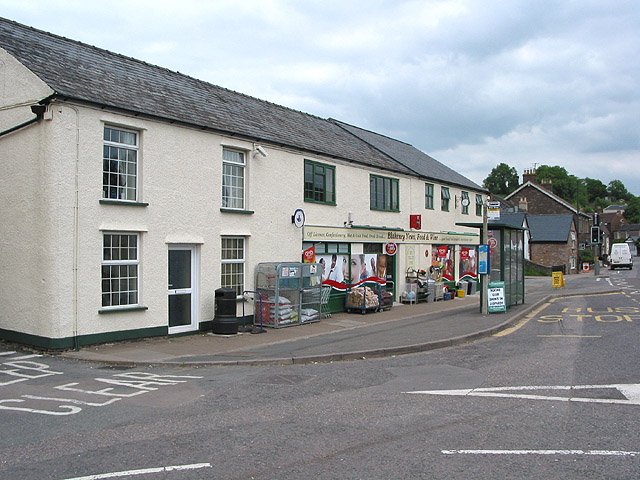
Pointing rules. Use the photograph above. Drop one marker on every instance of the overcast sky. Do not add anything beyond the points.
(473, 83)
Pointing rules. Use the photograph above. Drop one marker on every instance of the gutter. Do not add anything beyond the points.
(38, 110)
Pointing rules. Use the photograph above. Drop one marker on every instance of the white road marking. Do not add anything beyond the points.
(630, 391)
(612, 453)
(143, 471)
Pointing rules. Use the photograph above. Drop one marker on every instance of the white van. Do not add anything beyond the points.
(620, 256)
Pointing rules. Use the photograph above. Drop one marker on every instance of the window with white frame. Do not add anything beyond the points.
(120, 164)
(428, 196)
(445, 196)
(233, 260)
(233, 178)
(465, 204)
(120, 261)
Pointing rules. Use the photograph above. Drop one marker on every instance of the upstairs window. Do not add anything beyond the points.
(428, 196)
(465, 203)
(233, 174)
(319, 182)
(479, 204)
(445, 196)
(383, 193)
(120, 164)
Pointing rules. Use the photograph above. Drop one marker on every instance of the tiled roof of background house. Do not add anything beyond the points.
(81, 72)
(550, 228)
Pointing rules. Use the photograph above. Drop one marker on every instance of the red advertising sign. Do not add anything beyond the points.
(442, 251)
(464, 253)
(309, 255)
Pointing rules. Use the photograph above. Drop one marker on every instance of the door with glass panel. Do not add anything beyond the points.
(182, 288)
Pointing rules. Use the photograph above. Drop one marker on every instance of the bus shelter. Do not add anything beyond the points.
(506, 244)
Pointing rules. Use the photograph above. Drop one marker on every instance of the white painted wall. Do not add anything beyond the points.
(48, 238)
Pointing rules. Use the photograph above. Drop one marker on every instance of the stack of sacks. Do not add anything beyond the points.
(308, 315)
(282, 307)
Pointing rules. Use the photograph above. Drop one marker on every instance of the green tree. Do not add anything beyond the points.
(502, 180)
(632, 212)
(617, 191)
(595, 189)
(564, 185)
(600, 203)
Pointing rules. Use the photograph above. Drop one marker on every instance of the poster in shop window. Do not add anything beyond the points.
(468, 264)
(341, 270)
(445, 261)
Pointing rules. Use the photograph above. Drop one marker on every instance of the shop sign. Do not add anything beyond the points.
(464, 253)
(442, 251)
(391, 248)
(346, 234)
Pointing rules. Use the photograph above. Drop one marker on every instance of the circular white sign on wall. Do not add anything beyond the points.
(298, 218)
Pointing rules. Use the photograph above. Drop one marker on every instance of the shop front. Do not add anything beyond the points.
(352, 256)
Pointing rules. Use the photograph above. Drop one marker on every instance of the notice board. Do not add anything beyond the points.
(496, 297)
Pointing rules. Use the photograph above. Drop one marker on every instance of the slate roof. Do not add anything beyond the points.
(615, 208)
(418, 161)
(515, 219)
(550, 228)
(82, 72)
(628, 228)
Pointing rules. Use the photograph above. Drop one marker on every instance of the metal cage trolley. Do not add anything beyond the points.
(291, 293)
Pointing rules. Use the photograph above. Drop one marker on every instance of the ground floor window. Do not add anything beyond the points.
(233, 262)
(120, 261)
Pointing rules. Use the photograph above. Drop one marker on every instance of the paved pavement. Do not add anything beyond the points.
(345, 336)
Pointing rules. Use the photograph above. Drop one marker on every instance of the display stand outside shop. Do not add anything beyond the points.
(291, 293)
(364, 297)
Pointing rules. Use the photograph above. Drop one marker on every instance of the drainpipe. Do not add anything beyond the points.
(38, 110)
(76, 232)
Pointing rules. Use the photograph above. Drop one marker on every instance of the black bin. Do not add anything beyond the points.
(225, 321)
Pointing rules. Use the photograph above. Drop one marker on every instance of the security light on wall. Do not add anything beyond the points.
(261, 151)
(350, 219)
